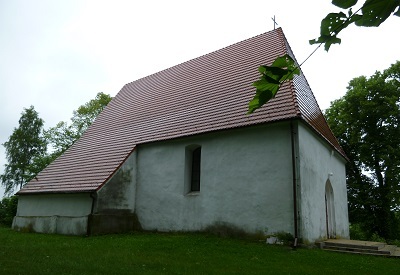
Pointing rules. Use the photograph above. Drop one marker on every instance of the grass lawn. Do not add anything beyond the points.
(155, 253)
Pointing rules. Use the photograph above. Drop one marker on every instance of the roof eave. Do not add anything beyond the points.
(54, 192)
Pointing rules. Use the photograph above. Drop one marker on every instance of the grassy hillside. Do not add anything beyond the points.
(155, 253)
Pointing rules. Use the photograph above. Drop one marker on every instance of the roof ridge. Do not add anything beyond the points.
(288, 50)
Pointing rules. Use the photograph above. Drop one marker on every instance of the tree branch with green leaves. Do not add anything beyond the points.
(272, 77)
(371, 14)
(64, 134)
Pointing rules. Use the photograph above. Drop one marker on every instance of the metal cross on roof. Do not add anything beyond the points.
(275, 24)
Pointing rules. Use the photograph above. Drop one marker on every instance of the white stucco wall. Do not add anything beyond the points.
(317, 161)
(53, 213)
(246, 181)
(118, 194)
(71, 213)
(73, 205)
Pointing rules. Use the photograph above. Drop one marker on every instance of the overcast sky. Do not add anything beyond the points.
(58, 54)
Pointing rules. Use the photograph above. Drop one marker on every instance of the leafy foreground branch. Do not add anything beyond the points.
(272, 77)
(373, 14)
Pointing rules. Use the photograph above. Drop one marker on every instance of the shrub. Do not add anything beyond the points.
(376, 238)
(357, 232)
(394, 242)
(285, 237)
(8, 209)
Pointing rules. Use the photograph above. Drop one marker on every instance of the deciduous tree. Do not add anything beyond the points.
(23, 148)
(366, 122)
(63, 135)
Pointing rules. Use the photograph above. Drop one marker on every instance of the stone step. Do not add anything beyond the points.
(396, 252)
(360, 247)
(354, 244)
(359, 250)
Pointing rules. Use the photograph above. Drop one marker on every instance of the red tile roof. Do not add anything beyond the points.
(208, 93)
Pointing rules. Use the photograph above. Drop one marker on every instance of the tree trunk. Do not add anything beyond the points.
(383, 214)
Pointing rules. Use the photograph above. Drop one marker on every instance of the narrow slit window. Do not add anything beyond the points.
(195, 175)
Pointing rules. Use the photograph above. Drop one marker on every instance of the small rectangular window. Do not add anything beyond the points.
(195, 175)
(192, 169)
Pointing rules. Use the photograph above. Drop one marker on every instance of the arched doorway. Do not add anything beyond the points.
(330, 211)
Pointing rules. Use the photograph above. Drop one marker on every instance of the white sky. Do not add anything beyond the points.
(57, 55)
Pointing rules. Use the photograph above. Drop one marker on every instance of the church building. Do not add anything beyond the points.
(177, 151)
